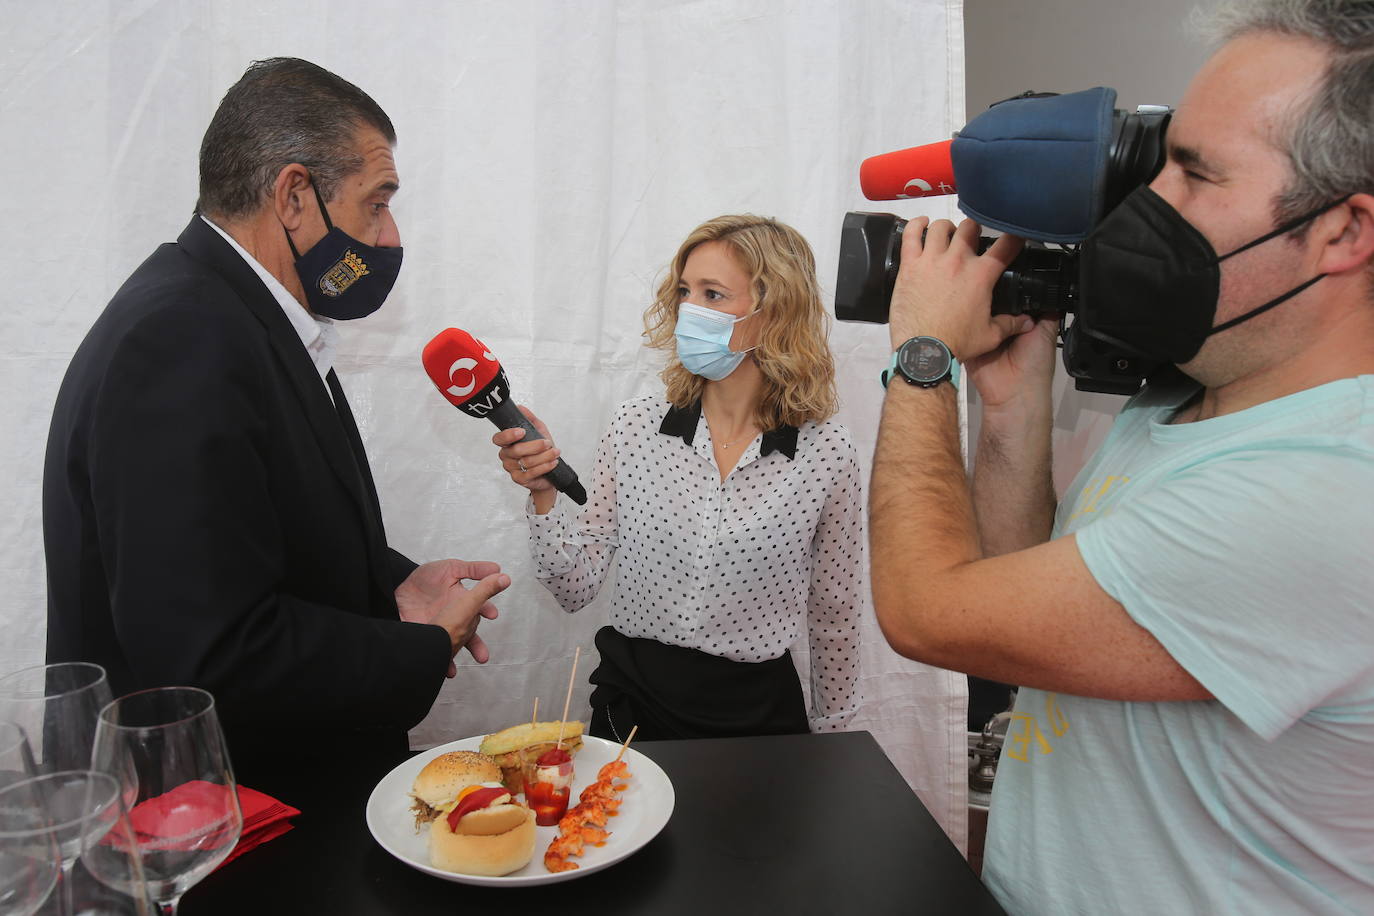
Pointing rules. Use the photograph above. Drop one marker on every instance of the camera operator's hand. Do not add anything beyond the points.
(1020, 369)
(944, 288)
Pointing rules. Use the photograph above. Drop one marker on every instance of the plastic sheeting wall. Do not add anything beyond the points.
(552, 156)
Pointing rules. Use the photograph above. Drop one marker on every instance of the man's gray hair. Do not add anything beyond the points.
(1330, 141)
(282, 111)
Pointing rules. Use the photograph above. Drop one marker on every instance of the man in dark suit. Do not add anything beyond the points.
(209, 514)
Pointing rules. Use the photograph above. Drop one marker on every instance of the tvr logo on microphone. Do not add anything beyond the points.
(465, 365)
(920, 187)
(495, 394)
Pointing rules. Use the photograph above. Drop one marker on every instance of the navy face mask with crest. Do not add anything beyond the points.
(343, 278)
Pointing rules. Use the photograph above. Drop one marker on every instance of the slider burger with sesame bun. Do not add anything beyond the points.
(439, 783)
(476, 827)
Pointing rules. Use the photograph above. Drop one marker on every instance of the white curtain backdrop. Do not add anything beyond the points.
(552, 155)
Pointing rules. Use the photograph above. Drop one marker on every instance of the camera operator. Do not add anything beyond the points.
(1192, 625)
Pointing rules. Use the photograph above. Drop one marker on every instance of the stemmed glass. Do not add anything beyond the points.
(29, 860)
(16, 760)
(52, 820)
(57, 706)
(166, 748)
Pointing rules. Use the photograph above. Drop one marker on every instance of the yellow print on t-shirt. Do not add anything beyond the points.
(1024, 730)
(1093, 494)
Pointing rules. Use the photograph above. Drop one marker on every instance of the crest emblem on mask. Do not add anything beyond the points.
(345, 272)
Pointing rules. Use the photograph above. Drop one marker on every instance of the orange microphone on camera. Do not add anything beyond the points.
(921, 171)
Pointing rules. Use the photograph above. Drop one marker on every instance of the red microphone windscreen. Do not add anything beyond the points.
(459, 365)
(922, 171)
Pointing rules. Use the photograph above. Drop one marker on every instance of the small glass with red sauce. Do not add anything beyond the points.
(548, 792)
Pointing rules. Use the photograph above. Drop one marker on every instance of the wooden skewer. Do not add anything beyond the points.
(524, 751)
(628, 738)
(568, 699)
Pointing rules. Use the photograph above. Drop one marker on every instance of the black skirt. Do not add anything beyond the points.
(676, 692)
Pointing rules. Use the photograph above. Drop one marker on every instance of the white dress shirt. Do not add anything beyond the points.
(318, 334)
(731, 568)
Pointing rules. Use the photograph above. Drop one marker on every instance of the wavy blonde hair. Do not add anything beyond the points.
(793, 354)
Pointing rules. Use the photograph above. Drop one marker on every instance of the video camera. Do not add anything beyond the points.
(1042, 166)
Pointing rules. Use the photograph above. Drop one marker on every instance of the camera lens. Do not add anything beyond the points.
(1040, 280)
(870, 249)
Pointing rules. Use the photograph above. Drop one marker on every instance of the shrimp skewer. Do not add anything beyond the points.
(585, 823)
(583, 814)
(570, 843)
(616, 769)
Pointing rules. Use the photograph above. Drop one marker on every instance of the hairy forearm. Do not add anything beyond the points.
(1013, 487)
(920, 512)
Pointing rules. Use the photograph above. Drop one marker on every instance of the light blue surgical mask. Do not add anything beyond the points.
(703, 341)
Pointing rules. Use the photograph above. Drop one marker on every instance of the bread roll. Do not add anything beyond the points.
(491, 821)
(492, 841)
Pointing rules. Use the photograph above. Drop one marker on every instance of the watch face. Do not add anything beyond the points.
(924, 359)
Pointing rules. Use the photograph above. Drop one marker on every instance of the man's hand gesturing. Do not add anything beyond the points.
(434, 593)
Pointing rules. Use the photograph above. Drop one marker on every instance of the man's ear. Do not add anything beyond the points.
(290, 193)
(1349, 242)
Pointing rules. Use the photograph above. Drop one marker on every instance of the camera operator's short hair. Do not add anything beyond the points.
(282, 111)
(1330, 142)
(793, 352)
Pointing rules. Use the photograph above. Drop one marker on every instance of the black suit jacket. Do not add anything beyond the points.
(210, 519)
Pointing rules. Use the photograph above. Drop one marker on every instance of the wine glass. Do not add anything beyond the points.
(166, 748)
(16, 760)
(75, 814)
(57, 706)
(29, 860)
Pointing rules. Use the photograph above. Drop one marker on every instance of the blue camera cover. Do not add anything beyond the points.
(1037, 167)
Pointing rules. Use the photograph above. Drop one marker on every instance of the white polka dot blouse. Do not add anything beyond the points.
(732, 567)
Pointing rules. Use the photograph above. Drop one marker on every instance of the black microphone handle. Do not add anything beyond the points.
(507, 416)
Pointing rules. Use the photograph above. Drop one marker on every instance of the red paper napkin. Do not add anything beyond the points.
(176, 819)
(264, 818)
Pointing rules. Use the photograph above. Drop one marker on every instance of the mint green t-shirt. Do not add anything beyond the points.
(1243, 543)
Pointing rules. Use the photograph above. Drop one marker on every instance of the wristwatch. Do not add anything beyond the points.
(923, 361)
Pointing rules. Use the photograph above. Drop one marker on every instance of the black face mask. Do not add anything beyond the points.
(343, 278)
(1149, 280)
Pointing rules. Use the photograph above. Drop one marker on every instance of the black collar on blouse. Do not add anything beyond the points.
(682, 422)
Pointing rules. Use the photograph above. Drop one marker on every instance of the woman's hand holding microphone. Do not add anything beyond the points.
(528, 461)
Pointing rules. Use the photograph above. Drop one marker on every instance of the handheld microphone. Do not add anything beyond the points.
(922, 171)
(469, 376)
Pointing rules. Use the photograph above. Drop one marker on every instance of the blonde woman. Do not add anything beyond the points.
(730, 506)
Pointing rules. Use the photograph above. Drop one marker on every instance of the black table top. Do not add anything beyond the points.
(796, 823)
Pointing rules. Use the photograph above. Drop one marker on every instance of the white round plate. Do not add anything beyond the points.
(647, 804)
